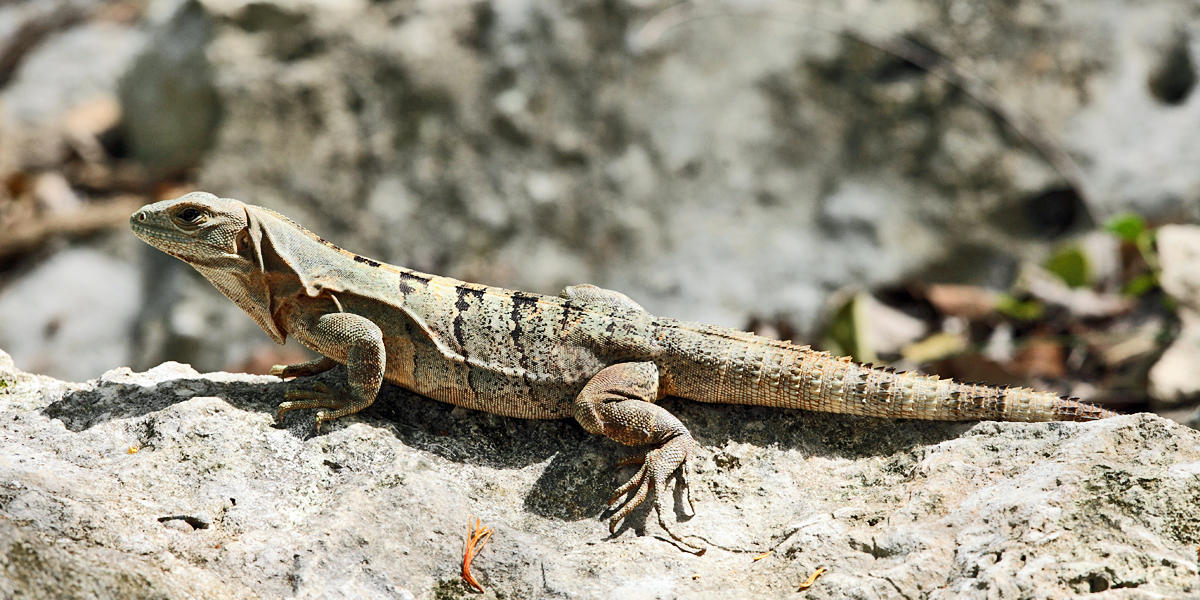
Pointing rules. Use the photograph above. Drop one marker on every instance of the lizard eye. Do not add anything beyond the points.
(191, 216)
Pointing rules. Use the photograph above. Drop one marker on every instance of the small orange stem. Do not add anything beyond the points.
(812, 579)
(477, 536)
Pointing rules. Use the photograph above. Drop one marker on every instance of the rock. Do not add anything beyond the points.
(67, 72)
(175, 484)
(534, 147)
(76, 312)
(1179, 258)
(1173, 378)
(168, 97)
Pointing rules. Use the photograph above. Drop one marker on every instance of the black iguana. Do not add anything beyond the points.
(590, 354)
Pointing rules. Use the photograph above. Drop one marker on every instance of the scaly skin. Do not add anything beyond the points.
(590, 353)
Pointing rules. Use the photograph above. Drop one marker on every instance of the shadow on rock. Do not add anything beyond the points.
(470, 436)
(577, 482)
(107, 400)
(582, 469)
(813, 433)
(425, 424)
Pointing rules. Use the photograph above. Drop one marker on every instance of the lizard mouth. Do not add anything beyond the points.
(163, 240)
(174, 243)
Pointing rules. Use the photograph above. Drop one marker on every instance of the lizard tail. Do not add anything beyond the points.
(757, 371)
(839, 385)
(883, 392)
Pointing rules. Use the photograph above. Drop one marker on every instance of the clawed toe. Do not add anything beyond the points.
(658, 466)
(317, 391)
(643, 485)
(318, 395)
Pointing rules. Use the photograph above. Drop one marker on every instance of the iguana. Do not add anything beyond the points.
(589, 353)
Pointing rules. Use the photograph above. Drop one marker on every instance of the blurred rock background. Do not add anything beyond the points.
(983, 189)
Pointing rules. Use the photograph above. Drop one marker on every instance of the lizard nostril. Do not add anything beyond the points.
(141, 216)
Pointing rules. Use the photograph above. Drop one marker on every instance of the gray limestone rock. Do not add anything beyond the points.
(167, 94)
(175, 484)
(72, 315)
(787, 153)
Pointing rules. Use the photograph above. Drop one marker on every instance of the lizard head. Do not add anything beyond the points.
(198, 228)
(219, 237)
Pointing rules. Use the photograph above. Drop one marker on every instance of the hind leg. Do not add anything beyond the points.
(618, 403)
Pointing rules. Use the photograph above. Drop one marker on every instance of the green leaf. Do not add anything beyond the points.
(1022, 310)
(847, 331)
(1145, 246)
(1140, 285)
(1071, 266)
(1127, 226)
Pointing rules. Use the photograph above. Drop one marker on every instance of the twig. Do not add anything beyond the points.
(90, 218)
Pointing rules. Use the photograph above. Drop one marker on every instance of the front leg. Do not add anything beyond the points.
(362, 343)
(618, 403)
(315, 366)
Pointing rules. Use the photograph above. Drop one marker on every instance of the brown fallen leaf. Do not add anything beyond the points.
(966, 301)
(1040, 357)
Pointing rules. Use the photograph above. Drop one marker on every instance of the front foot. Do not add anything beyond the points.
(657, 467)
(318, 396)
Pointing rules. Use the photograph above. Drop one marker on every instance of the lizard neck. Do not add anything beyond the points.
(249, 290)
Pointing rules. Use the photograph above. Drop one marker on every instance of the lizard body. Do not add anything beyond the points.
(589, 353)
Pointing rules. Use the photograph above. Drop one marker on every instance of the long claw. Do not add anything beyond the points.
(633, 503)
(658, 467)
(687, 489)
(628, 485)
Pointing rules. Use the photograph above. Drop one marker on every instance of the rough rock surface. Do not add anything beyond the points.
(173, 484)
